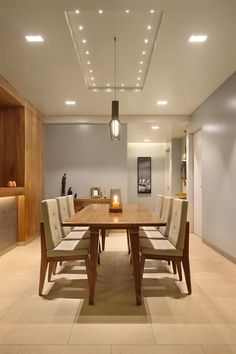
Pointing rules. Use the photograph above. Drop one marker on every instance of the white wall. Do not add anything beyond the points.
(217, 118)
(156, 152)
(87, 155)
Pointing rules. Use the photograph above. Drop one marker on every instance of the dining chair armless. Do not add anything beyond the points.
(53, 247)
(176, 247)
(157, 210)
(71, 212)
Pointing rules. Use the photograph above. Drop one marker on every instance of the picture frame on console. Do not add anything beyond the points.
(95, 192)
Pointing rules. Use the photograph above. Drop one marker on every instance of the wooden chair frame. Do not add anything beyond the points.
(177, 260)
(45, 260)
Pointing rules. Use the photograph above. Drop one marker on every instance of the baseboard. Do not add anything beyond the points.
(226, 255)
(27, 241)
(8, 249)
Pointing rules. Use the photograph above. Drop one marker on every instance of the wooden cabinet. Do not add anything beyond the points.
(21, 156)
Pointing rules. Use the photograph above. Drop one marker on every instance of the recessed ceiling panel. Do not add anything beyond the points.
(93, 37)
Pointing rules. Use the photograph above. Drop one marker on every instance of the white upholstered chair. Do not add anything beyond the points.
(53, 247)
(69, 232)
(176, 247)
(71, 211)
(163, 231)
(157, 210)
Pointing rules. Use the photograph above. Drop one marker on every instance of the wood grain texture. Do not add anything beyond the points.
(11, 192)
(9, 96)
(83, 202)
(21, 218)
(12, 143)
(34, 168)
(22, 155)
(98, 216)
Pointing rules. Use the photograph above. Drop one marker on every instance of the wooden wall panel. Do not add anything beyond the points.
(12, 141)
(34, 169)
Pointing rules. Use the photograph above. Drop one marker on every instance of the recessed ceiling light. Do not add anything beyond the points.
(84, 41)
(197, 38)
(108, 90)
(31, 38)
(100, 11)
(70, 103)
(149, 27)
(88, 62)
(147, 140)
(94, 84)
(77, 11)
(108, 85)
(92, 78)
(162, 102)
(144, 53)
(139, 78)
(140, 71)
(91, 71)
(127, 11)
(141, 62)
(137, 85)
(87, 52)
(152, 11)
(95, 90)
(155, 127)
(81, 28)
(145, 40)
(122, 85)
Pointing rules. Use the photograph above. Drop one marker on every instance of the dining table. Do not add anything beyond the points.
(98, 217)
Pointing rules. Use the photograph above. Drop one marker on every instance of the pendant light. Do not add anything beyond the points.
(115, 123)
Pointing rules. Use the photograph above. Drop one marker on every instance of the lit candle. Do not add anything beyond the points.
(115, 203)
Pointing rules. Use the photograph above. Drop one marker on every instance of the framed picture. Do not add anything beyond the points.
(95, 192)
(144, 175)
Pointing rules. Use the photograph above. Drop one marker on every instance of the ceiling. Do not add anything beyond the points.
(182, 73)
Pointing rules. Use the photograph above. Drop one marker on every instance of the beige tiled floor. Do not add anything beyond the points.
(169, 321)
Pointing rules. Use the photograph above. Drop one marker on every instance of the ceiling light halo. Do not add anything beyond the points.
(199, 38)
(34, 38)
(162, 102)
(70, 102)
(155, 127)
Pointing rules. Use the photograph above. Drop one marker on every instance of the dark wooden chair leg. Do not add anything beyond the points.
(103, 234)
(187, 274)
(179, 270)
(174, 266)
(50, 270)
(87, 268)
(43, 269)
(142, 264)
(54, 268)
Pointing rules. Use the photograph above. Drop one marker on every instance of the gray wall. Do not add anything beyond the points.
(217, 118)
(87, 155)
(156, 152)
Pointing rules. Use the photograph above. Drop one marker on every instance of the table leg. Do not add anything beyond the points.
(134, 240)
(94, 236)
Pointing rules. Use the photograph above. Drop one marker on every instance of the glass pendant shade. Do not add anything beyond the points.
(115, 123)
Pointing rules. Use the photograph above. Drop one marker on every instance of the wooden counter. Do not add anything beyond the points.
(11, 191)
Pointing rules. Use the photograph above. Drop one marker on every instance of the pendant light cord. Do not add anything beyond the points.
(115, 64)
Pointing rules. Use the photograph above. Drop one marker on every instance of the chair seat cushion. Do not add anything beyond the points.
(80, 228)
(158, 247)
(149, 228)
(70, 248)
(77, 235)
(151, 234)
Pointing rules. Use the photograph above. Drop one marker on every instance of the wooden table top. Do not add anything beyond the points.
(98, 216)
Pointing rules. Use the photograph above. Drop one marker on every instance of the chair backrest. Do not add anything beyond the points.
(166, 215)
(158, 204)
(70, 205)
(63, 214)
(52, 226)
(178, 223)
